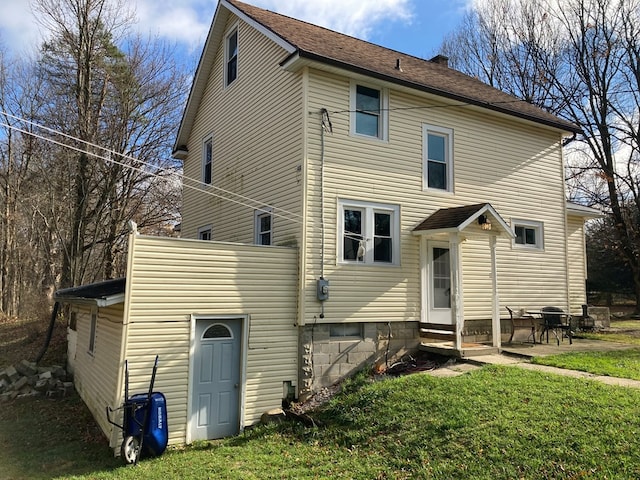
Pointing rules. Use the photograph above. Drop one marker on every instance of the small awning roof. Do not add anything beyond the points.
(101, 294)
(457, 219)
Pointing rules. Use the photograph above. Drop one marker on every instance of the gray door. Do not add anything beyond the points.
(216, 379)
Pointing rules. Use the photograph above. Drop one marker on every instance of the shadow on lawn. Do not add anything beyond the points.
(43, 438)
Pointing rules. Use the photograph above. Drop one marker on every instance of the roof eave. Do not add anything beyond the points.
(106, 301)
(301, 58)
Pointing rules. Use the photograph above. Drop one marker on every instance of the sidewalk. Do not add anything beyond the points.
(472, 363)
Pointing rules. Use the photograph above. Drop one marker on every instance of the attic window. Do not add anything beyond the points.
(231, 57)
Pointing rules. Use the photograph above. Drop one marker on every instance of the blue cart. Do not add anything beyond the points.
(144, 425)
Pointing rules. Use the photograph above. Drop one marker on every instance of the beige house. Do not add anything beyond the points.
(343, 204)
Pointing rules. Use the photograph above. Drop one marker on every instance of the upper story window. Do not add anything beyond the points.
(438, 158)
(205, 233)
(231, 57)
(93, 324)
(529, 234)
(369, 233)
(264, 222)
(207, 160)
(369, 107)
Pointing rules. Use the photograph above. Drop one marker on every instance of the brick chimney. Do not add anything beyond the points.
(440, 60)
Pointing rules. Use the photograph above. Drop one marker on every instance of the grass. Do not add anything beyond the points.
(619, 363)
(493, 423)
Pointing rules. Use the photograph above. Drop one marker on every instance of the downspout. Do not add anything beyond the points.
(52, 322)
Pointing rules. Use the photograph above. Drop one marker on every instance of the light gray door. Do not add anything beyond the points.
(440, 284)
(216, 379)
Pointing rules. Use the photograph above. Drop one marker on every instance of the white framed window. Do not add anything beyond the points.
(207, 160)
(368, 233)
(264, 226)
(529, 234)
(369, 107)
(437, 154)
(205, 233)
(93, 324)
(231, 57)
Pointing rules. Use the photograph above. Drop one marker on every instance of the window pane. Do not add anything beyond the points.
(519, 235)
(353, 223)
(367, 99)
(436, 147)
(437, 175)
(265, 223)
(265, 238)
(350, 248)
(382, 250)
(232, 57)
(530, 236)
(367, 124)
(382, 224)
(441, 278)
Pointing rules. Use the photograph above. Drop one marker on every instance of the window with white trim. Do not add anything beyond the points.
(93, 324)
(231, 57)
(529, 234)
(205, 233)
(438, 158)
(369, 107)
(207, 160)
(369, 233)
(263, 227)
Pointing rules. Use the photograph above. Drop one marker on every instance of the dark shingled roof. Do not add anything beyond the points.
(449, 217)
(94, 291)
(323, 45)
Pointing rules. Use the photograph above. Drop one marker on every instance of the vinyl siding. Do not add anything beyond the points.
(172, 279)
(517, 167)
(96, 375)
(577, 262)
(256, 124)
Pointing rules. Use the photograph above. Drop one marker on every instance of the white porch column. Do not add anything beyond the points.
(457, 307)
(495, 301)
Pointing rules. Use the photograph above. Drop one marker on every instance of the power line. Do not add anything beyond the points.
(199, 185)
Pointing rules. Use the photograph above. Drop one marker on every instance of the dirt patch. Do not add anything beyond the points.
(23, 340)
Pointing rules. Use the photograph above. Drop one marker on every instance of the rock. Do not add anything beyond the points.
(4, 385)
(46, 375)
(20, 383)
(59, 372)
(32, 380)
(5, 397)
(275, 415)
(12, 374)
(26, 368)
(42, 385)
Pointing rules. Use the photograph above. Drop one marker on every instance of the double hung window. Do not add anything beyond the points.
(368, 106)
(231, 57)
(438, 158)
(207, 161)
(263, 227)
(369, 233)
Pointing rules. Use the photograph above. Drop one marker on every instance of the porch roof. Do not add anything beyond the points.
(101, 294)
(457, 219)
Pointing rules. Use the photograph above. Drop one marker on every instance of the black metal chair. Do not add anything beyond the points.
(556, 320)
(522, 321)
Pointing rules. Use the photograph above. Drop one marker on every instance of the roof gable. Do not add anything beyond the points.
(457, 219)
(310, 42)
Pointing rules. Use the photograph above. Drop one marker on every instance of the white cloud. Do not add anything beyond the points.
(187, 22)
(19, 32)
(353, 17)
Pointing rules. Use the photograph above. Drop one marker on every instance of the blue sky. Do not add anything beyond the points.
(416, 27)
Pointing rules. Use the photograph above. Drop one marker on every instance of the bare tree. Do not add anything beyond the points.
(580, 60)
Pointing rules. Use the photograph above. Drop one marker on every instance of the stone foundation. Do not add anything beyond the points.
(327, 359)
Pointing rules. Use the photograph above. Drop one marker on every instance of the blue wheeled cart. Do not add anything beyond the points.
(144, 424)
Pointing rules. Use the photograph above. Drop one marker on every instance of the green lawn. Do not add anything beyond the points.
(619, 363)
(493, 423)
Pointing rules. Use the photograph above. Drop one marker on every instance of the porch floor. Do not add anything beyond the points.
(469, 349)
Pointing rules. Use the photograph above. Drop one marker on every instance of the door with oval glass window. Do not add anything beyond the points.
(215, 399)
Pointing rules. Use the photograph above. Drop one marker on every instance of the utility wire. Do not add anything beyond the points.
(199, 185)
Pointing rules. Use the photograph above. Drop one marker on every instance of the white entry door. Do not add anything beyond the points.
(216, 379)
(439, 283)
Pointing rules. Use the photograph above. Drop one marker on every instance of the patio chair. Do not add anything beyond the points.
(526, 322)
(556, 320)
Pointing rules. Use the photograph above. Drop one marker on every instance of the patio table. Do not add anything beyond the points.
(552, 319)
